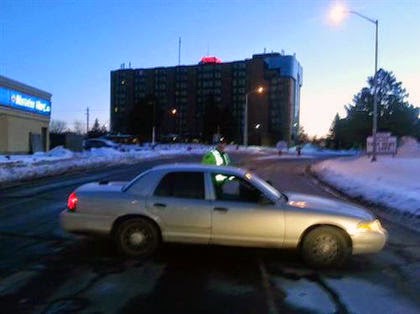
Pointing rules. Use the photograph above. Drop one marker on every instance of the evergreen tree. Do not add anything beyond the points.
(97, 130)
(395, 114)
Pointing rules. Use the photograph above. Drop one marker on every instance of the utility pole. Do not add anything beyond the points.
(375, 96)
(87, 120)
(179, 51)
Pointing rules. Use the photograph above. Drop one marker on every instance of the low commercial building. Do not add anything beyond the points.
(24, 118)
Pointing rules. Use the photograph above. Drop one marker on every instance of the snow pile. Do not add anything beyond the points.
(392, 182)
(409, 147)
(313, 150)
(307, 150)
(56, 153)
(105, 152)
(16, 168)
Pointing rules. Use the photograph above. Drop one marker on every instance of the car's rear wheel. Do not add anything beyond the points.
(325, 246)
(137, 237)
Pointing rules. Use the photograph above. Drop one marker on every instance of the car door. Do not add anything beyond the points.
(179, 203)
(242, 215)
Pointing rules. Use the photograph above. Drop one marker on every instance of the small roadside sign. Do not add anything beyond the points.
(385, 143)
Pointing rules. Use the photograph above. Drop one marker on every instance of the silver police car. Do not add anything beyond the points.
(195, 203)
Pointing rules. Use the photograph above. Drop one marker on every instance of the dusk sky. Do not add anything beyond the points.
(68, 48)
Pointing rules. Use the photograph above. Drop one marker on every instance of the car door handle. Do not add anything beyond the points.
(159, 205)
(221, 209)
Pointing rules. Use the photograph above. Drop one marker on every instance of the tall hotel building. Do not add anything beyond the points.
(197, 101)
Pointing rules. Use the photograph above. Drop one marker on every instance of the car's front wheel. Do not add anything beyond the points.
(137, 237)
(325, 246)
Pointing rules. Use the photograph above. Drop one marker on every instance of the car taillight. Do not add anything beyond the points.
(72, 202)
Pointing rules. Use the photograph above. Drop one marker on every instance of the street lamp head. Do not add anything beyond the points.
(260, 89)
(173, 111)
(338, 13)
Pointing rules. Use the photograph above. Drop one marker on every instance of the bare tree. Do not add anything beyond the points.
(58, 126)
(78, 127)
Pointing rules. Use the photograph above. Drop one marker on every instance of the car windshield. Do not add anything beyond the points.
(265, 186)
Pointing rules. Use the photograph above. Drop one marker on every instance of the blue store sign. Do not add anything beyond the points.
(21, 101)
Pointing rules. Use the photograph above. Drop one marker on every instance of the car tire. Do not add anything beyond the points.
(325, 247)
(137, 237)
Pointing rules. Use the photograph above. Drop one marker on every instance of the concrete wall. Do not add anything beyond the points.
(15, 129)
(3, 133)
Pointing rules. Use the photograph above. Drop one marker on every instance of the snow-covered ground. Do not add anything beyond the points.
(15, 168)
(393, 182)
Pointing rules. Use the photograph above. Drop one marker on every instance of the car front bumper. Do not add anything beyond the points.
(369, 241)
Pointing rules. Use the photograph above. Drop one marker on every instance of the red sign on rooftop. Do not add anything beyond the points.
(210, 59)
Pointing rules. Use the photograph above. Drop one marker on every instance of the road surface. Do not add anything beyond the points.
(45, 270)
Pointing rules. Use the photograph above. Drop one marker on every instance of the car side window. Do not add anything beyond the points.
(181, 185)
(232, 188)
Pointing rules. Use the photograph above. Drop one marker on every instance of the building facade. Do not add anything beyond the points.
(197, 101)
(24, 118)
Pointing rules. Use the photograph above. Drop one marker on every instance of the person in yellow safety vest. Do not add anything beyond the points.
(217, 156)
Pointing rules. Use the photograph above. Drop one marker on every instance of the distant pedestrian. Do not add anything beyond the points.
(299, 150)
(281, 145)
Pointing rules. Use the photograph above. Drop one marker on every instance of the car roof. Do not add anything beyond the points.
(199, 167)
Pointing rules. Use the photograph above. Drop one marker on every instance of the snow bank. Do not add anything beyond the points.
(313, 150)
(307, 150)
(392, 182)
(16, 168)
(409, 148)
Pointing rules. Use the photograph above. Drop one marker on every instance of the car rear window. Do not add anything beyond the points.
(181, 185)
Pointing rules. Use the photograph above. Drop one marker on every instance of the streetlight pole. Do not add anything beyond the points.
(246, 121)
(258, 90)
(174, 112)
(375, 97)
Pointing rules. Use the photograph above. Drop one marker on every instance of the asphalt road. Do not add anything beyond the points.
(45, 270)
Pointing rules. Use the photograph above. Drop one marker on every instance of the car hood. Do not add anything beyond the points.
(328, 206)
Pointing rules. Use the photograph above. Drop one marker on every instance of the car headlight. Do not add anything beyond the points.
(370, 226)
